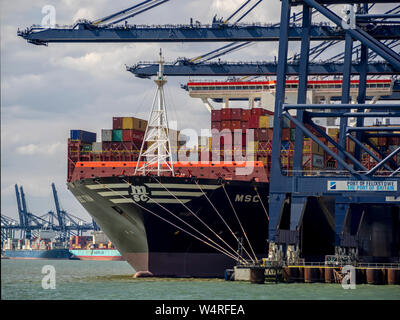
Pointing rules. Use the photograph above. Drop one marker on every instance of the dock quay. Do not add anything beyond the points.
(317, 272)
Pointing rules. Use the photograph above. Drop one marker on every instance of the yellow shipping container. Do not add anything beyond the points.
(312, 147)
(333, 132)
(263, 122)
(127, 123)
(374, 141)
(139, 124)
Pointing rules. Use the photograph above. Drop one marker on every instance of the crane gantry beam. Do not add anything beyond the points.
(85, 32)
(146, 70)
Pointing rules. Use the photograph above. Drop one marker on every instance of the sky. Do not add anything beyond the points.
(46, 91)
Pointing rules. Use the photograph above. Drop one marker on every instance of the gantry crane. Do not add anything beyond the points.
(351, 185)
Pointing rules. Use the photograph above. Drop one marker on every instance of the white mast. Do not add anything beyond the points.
(157, 133)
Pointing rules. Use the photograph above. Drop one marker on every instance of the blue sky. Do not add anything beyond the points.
(46, 91)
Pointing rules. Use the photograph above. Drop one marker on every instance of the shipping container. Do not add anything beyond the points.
(236, 114)
(262, 135)
(127, 123)
(254, 121)
(286, 134)
(333, 132)
(393, 141)
(246, 113)
(239, 138)
(244, 125)
(312, 147)
(106, 135)
(215, 115)
(350, 146)
(382, 141)
(84, 136)
(271, 121)
(313, 161)
(292, 134)
(225, 114)
(97, 147)
(235, 125)
(285, 123)
(86, 147)
(117, 135)
(374, 141)
(261, 112)
(216, 125)
(132, 135)
(139, 124)
(225, 124)
(263, 122)
(117, 123)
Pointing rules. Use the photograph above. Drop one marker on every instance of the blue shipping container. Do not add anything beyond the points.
(84, 136)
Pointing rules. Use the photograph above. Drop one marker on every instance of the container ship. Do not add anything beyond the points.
(95, 247)
(40, 247)
(206, 215)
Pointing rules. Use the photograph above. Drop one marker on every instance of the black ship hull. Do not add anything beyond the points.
(173, 226)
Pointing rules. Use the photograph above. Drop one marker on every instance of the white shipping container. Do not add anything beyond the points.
(318, 161)
(100, 237)
(47, 234)
(271, 121)
(106, 135)
(97, 146)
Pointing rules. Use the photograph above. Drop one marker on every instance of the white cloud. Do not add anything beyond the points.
(41, 149)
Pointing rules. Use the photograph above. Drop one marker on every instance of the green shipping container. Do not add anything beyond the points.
(292, 134)
(117, 135)
(86, 148)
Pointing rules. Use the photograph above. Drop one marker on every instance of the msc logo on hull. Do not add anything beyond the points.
(246, 198)
(138, 193)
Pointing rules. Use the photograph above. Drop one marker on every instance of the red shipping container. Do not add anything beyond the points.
(264, 148)
(254, 121)
(246, 113)
(244, 125)
(216, 125)
(215, 115)
(382, 141)
(235, 124)
(261, 112)
(236, 114)
(225, 125)
(116, 146)
(106, 146)
(286, 134)
(263, 135)
(226, 114)
(130, 135)
(117, 123)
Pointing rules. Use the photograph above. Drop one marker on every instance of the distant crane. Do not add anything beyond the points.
(64, 223)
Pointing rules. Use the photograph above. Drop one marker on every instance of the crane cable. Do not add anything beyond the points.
(218, 236)
(241, 226)
(265, 210)
(224, 221)
(221, 249)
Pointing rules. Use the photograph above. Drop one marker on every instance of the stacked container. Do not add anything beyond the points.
(121, 143)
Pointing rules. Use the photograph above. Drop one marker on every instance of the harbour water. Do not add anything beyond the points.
(112, 280)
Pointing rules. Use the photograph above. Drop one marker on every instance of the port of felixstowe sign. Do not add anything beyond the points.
(351, 185)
